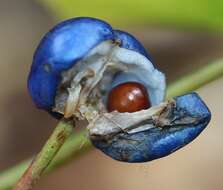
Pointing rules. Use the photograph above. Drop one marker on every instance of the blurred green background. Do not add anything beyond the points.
(199, 14)
(181, 36)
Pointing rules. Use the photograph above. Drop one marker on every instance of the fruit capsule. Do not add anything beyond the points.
(80, 60)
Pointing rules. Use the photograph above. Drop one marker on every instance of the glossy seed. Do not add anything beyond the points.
(128, 97)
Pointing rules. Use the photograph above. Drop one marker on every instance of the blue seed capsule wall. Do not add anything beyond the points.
(81, 60)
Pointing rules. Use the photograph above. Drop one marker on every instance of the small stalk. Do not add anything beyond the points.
(45, 156)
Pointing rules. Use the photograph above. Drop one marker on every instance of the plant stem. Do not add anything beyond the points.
(197, 79)
(43, 159)
(79, 143)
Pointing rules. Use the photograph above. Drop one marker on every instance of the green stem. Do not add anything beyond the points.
(197, 79)
(79, 143)
(45, 156)
(74, 146)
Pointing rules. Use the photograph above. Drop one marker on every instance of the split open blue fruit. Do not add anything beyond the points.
(76, 65)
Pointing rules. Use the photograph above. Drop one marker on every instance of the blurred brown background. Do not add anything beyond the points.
(23, 128)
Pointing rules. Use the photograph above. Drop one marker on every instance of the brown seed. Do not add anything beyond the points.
(128, 97)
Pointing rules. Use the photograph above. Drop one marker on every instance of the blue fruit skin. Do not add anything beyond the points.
(130, 42)
(62, 47)
(159, 142)
(59, 50)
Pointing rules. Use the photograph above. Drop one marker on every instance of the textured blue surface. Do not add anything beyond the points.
(59, 50)
(62, 47)
(159, 142)
(130, 42)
